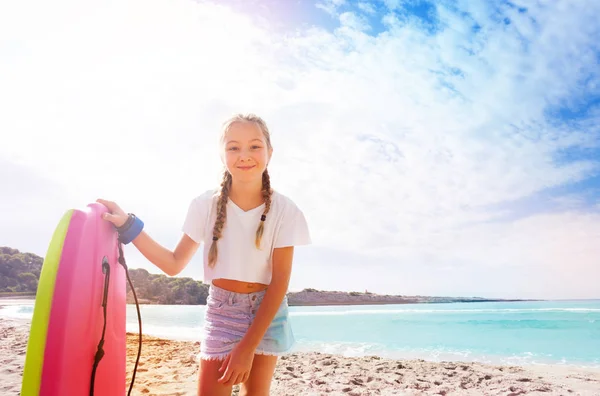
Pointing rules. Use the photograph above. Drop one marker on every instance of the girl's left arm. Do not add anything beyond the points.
(282, 270)
(236, 367)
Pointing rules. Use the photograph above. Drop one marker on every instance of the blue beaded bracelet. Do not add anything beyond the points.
(134, 228)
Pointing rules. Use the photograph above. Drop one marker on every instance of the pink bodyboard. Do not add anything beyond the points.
(76, 317)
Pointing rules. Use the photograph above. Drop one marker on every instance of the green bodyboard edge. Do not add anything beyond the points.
(36, 344)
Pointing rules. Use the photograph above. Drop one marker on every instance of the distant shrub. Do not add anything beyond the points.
(20, 272)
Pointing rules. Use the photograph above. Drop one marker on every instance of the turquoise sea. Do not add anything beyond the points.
(555, 332)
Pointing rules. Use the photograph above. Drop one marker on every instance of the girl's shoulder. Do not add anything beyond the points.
(293, 228)
(205, 200)
(283, 202)
(207, 196)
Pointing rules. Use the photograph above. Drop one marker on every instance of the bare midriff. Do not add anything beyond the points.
(239, 286)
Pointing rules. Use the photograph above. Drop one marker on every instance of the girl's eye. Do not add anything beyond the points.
(232, 148)
(256, 147)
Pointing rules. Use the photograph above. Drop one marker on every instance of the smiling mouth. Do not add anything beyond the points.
(245, 167)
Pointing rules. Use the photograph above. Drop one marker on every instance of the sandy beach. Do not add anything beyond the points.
(169, 368)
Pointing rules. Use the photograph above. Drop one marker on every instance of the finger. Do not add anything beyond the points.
(231, 379)
(109, 217)
(224, 364)
(246, 376)
(111, 206)
(237, 379)
(226, 377)
(106, 203)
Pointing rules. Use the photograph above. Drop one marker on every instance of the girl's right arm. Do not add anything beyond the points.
(170, 262)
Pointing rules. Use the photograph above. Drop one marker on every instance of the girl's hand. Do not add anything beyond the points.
(237, 365)
(115, 214)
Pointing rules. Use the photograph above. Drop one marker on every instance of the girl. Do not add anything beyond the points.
(249, 232)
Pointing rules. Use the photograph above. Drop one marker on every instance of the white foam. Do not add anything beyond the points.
(17, 311)
(350, 349)
(438, 311)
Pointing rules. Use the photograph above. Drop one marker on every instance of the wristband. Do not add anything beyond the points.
(126, 225)
(133, 229)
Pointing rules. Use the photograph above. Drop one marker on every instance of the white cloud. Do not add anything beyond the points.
(367, 8)
(330, 6)
(400, 148)
(353, 21)
(393, 4)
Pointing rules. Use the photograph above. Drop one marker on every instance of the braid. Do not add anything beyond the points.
(266, 192)
(266, 185)
(221, 218)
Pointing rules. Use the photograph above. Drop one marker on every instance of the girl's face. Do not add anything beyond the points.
(246, 153)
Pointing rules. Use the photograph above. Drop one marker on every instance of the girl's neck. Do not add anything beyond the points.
(246, 195)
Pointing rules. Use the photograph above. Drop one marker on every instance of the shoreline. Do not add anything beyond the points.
(170, 367)
(30, 300)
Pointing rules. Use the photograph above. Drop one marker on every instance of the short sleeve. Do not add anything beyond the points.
(294, 228)
(195, 220)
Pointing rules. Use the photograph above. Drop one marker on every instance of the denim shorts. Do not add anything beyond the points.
(228, 317)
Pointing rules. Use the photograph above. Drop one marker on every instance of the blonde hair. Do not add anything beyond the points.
(223, 194)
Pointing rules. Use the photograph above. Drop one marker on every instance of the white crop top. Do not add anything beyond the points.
(238, 258)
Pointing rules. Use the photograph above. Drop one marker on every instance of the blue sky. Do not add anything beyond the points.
(441, 148)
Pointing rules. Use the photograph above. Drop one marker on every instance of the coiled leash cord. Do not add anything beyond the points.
(100, 349)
